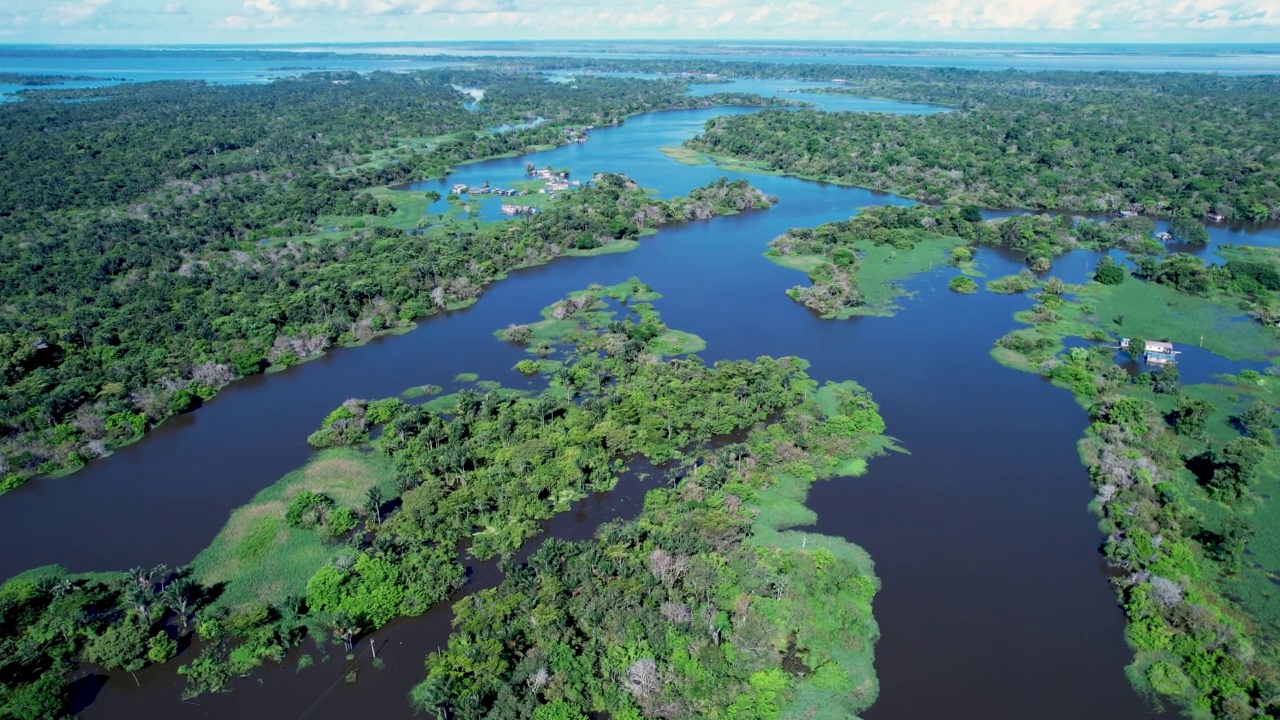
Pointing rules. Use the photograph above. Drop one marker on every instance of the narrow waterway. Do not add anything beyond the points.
(994, 601)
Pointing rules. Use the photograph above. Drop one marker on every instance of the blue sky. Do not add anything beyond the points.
(271, 21)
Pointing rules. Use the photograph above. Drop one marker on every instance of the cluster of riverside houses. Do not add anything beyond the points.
(555, 181)
(1156, 353)
(461, 189)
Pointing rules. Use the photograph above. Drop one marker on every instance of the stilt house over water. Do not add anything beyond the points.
(1154, 352)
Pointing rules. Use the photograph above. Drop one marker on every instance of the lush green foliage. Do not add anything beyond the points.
(51, 621)
(1250, 278)
(855, 264)
(494, 465)
(482, 469)
(699, 608)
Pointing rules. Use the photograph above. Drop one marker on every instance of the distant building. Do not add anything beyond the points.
(1155, 352)
(460, 189)
(1215, 217)
(1164, 237)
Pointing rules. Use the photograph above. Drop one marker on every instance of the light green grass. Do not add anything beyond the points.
(30, 578)
(584, 323)
(883, 267)
(684, 155)
(421, 391)
(1158, 312)
(257, 557)
(1257, 587)
(841, 642)
(446, 403)
(677, 342)
(881, 270)
(803, 263)
(613, 248)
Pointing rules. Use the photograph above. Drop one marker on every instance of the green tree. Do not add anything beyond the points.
(1235, 468)
(1258, 421)
(1188, 230)
(373, 502)
(161, 648)
(47, 697)
(122, 646)
(1166, 380)
(1190, 416)
(1108, 272)
(1137, 346)
(558, 710)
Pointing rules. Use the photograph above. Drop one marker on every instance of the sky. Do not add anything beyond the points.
(303, 21)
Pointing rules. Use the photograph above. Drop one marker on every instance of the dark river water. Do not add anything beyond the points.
(994, 604)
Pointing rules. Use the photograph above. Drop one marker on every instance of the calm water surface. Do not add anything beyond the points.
(994, 602)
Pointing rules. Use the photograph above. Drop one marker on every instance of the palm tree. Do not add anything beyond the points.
(373, 502)
(345, 628)
(432, 695)
(177, 596)
(140, 598)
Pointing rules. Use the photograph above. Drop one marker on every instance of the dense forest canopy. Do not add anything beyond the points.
(104, 338)
(1162, 144)
(1098, 152)
(135, 139)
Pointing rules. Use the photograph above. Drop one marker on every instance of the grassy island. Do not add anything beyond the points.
(855, 266)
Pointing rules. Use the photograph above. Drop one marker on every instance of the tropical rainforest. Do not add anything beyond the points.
(1176, 470)
(1167, 145)
(351, 543)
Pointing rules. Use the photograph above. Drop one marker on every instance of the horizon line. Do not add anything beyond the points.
(794, 43)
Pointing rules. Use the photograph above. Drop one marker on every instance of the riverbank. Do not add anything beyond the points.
(582, 222)
(1184, 476)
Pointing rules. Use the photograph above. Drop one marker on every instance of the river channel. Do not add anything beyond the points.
(994, 604)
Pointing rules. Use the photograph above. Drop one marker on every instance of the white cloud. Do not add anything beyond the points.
(73, 13)
(1142, 18)
(797, 20)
